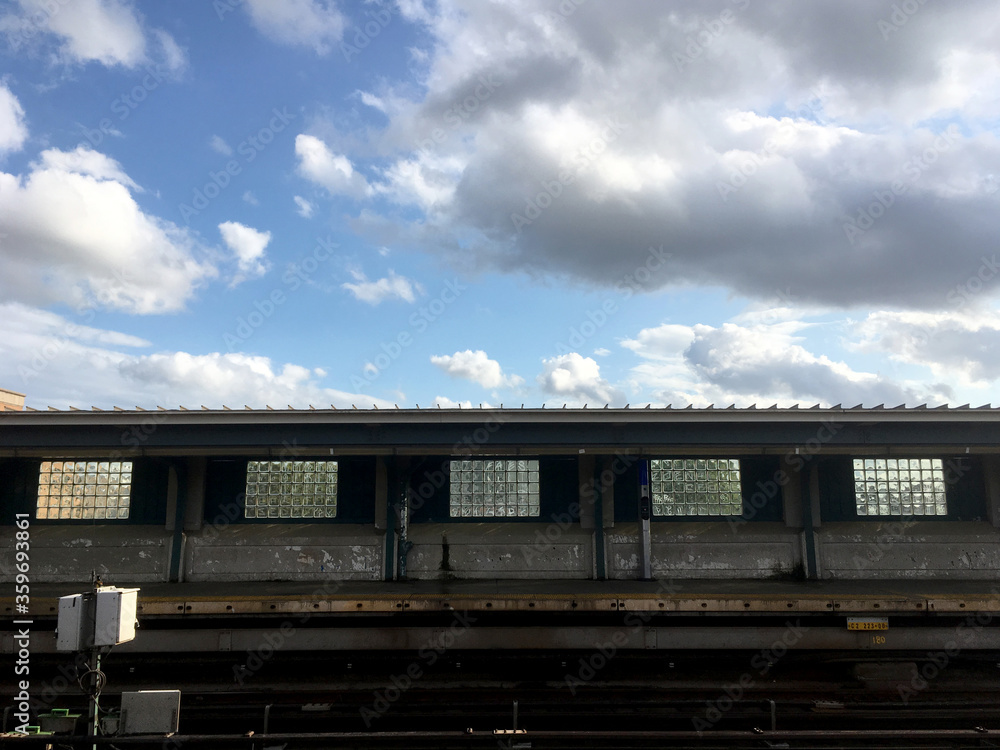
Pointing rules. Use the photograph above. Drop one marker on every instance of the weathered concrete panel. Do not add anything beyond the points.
(284, 552)
(499, 550)
(909, 549)
(707, 550)
(68, 554)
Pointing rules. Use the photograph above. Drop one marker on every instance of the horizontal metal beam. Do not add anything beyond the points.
(795, 635)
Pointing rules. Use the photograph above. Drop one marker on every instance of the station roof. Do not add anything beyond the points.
(501, 430)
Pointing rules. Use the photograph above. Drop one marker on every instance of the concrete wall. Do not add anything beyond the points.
(499, 550)
(909, 550)
(283, 552)
(119, 554)
(707, 550)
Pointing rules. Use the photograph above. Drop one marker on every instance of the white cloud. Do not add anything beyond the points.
(761, 364)
(75, 234)
(110, 32)
(333, 171)
(249, 197)
(477, 367)
(248, 247)
(446, 403)
(76, 365)
(541, 142)
(957, 347)
(218, 144)
(13, 130)
(392, 286)
(305, 208)
(602, 352)
(577, 380)
(306, 23)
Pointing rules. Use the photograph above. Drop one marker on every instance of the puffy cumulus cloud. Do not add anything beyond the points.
(13, 130)
(248, 247)
(327, 169)
(758, 143)
(577, 380)
(443, 402)
(74, 364)
(477, 367)
(761, 364)
(110, 32)
(75, 234)
(957, 347)
(375, 292)
(316, 24)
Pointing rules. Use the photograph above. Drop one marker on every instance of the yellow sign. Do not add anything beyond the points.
(867, 623)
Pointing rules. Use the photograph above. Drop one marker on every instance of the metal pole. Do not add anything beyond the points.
(645, 545)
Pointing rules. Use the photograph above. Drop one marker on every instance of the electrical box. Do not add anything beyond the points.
(115, 616)
(104, 617)
(74, 624)
(150, 712)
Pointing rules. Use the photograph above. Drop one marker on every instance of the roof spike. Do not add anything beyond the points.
(30, 408)
(857, 407)
(772, 406)
(117, 408)
(689, 406)
(963, 406)
(649, 405)
(731, 406)
(269, 407)
(985, 406)
(836, 406)
(922, 406)
(312, 408)
(901, 406)
(626, 406)
(376, 406)
(817, 406)
(880, 406)
(247, 407)
(669, 406)
(204, 408)
(710, 406)
(606, 406)
(752, 406)
(333, 406)
(438, 404)
(226, 408)
(52, 408)
(185, 409)
(289, 407)
(94, 408)
(74, 408)
(160, 408)
(793, 406)
(584, 406)
(353, 406)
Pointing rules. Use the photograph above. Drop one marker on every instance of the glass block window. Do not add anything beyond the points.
(695, 487)
(84, 489)
(494, 488)
(899, 487)
(291, 489)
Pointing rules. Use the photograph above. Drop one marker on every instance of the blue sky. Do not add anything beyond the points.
(530, 201)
